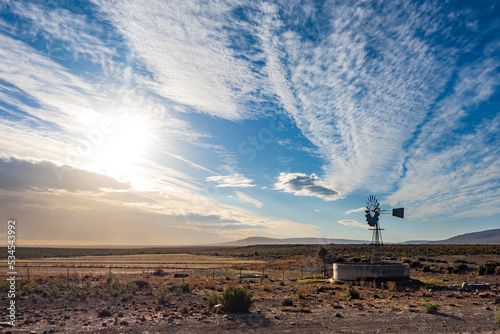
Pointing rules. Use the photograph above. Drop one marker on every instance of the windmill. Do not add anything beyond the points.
(373, 207)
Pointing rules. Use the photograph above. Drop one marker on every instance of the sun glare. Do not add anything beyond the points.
(123, 146)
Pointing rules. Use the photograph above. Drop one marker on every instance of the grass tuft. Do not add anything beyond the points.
(429, 307)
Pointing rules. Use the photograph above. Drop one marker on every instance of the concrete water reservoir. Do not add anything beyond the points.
(370, 271)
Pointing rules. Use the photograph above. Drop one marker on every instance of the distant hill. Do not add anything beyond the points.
(483, 237)
(293, 241)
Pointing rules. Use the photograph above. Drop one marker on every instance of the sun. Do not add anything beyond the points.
(124, 146)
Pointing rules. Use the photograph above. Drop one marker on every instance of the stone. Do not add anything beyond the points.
(287, 302)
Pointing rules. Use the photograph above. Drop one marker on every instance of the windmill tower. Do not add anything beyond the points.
(372, 213)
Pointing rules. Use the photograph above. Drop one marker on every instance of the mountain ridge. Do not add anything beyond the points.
(481, 237)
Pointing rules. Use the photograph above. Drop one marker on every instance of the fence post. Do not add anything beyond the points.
(67, 272)
(213, 273)
(28, 273)
(283, 274)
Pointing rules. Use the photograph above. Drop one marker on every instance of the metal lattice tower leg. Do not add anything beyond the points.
(377, 244)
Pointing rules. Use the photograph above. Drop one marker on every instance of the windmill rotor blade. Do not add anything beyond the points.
(399, 212)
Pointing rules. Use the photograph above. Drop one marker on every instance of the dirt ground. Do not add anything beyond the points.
(317, 306)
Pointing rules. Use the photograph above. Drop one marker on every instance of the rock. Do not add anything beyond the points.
(170, 320)
(104, 313)
(124, 323)
(320, 289)
(219, 308)
(104, 324)
(120, 315)
(338, 315)
(5, 324)
(287, 302)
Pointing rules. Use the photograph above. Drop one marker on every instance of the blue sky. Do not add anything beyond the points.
(182, 122)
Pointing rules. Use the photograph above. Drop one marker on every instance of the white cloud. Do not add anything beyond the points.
(461, 181)
(353, 223)
(368, 92)
(64, 97)
(301, 184)
(185, 46)
(246, 198)
(79, 37)
(355, 210)
(234, 180)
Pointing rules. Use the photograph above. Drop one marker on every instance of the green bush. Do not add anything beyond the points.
(163, 296)
(352, 293)
(429, 307)
(487, 268)
(459, 261)
(237, 299)
(415, 264)
(497, 317)
(213, 300)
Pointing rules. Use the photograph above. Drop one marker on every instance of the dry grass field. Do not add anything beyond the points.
(179, 293)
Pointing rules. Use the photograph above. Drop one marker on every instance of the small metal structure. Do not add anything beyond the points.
(373, 207)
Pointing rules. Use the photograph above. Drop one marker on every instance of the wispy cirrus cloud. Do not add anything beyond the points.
(353, 223)
(81, 36)
(301, 184)
(355, 210)
(443, 183)
(186, 47)
(364, 88)
(249, 199)
(231, 181)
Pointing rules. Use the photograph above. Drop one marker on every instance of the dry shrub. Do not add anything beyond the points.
(231, 284)
(184, 309)
(266, 285)
(210, 283)
(194, 282)
(392, 286)
(60, 276)
(304, 291)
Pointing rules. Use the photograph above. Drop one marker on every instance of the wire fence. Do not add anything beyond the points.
(229, 273)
